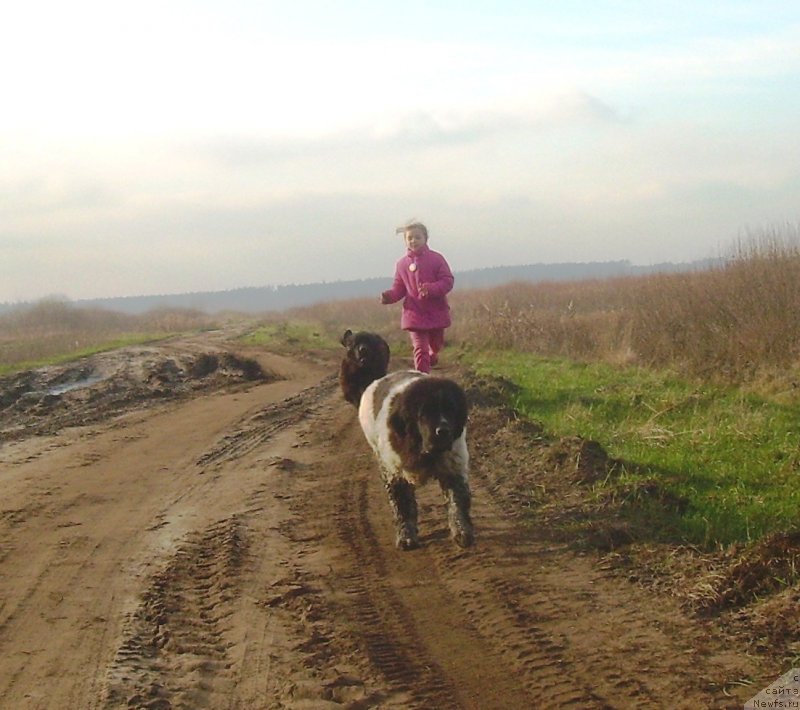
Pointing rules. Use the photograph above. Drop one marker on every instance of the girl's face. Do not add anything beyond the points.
(415, 239)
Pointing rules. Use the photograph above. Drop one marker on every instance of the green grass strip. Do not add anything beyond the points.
(291, 335)
(735, 457)
(61, 358)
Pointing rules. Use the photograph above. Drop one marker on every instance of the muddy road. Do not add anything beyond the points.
(178, 530)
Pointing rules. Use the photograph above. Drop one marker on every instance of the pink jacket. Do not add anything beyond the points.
(414, 269)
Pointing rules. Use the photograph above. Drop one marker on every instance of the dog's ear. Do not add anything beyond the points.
(457, 399)
(385, 349)
(402, 420)
(347, 338)
(397, 423)
(446, 399)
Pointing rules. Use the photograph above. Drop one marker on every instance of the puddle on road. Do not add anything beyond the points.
(77, 384)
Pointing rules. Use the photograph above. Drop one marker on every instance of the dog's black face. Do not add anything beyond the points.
(367, 350)
(439, 423)
(430, 417)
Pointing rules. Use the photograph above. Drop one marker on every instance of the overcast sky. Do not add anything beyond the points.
(160, 147)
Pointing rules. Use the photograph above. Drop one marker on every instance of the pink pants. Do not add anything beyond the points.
(426, 344)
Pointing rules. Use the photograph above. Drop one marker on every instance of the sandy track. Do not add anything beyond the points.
(234, 550)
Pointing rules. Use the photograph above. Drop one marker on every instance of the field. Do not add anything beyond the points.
(193, 519)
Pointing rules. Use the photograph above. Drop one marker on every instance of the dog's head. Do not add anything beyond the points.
(366, 360)
(433, 413)
(368, 351)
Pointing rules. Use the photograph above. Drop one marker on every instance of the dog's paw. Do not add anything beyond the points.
(463, 538)
(406, 542)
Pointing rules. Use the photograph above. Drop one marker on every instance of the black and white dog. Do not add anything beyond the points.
(416, 425)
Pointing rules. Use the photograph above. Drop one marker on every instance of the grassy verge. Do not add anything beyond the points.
(64, 355)
(288, 336)
(734, 458)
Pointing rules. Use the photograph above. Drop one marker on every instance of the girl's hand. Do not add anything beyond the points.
(423, 290)
(384, 299)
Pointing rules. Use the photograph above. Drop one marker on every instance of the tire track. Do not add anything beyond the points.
(390, 637)
(494, 586)
(574, 636)
(174, 652)
(259, 428)
(218, 626)
(496, 657)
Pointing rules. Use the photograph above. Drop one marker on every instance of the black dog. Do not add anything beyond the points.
(366, 360)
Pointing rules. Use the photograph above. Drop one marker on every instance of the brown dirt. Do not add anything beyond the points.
(184, 534)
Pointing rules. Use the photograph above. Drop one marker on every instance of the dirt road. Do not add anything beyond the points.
(231, 548)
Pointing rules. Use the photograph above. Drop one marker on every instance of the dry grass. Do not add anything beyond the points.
(743, 576)
(56, 330)
(739, 321)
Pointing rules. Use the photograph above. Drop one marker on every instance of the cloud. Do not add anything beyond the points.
(467, 126)
(48, 197)
(413, 130)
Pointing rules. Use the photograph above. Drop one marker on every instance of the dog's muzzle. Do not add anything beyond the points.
(362, 356)
(440, 438)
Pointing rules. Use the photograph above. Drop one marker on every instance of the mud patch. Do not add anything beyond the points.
(570, 486)
(45, 400)
(261, 426)
(484, 391)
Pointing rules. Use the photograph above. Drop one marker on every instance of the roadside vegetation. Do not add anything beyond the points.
(707, 463)
(54, 331)
(289, 336)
